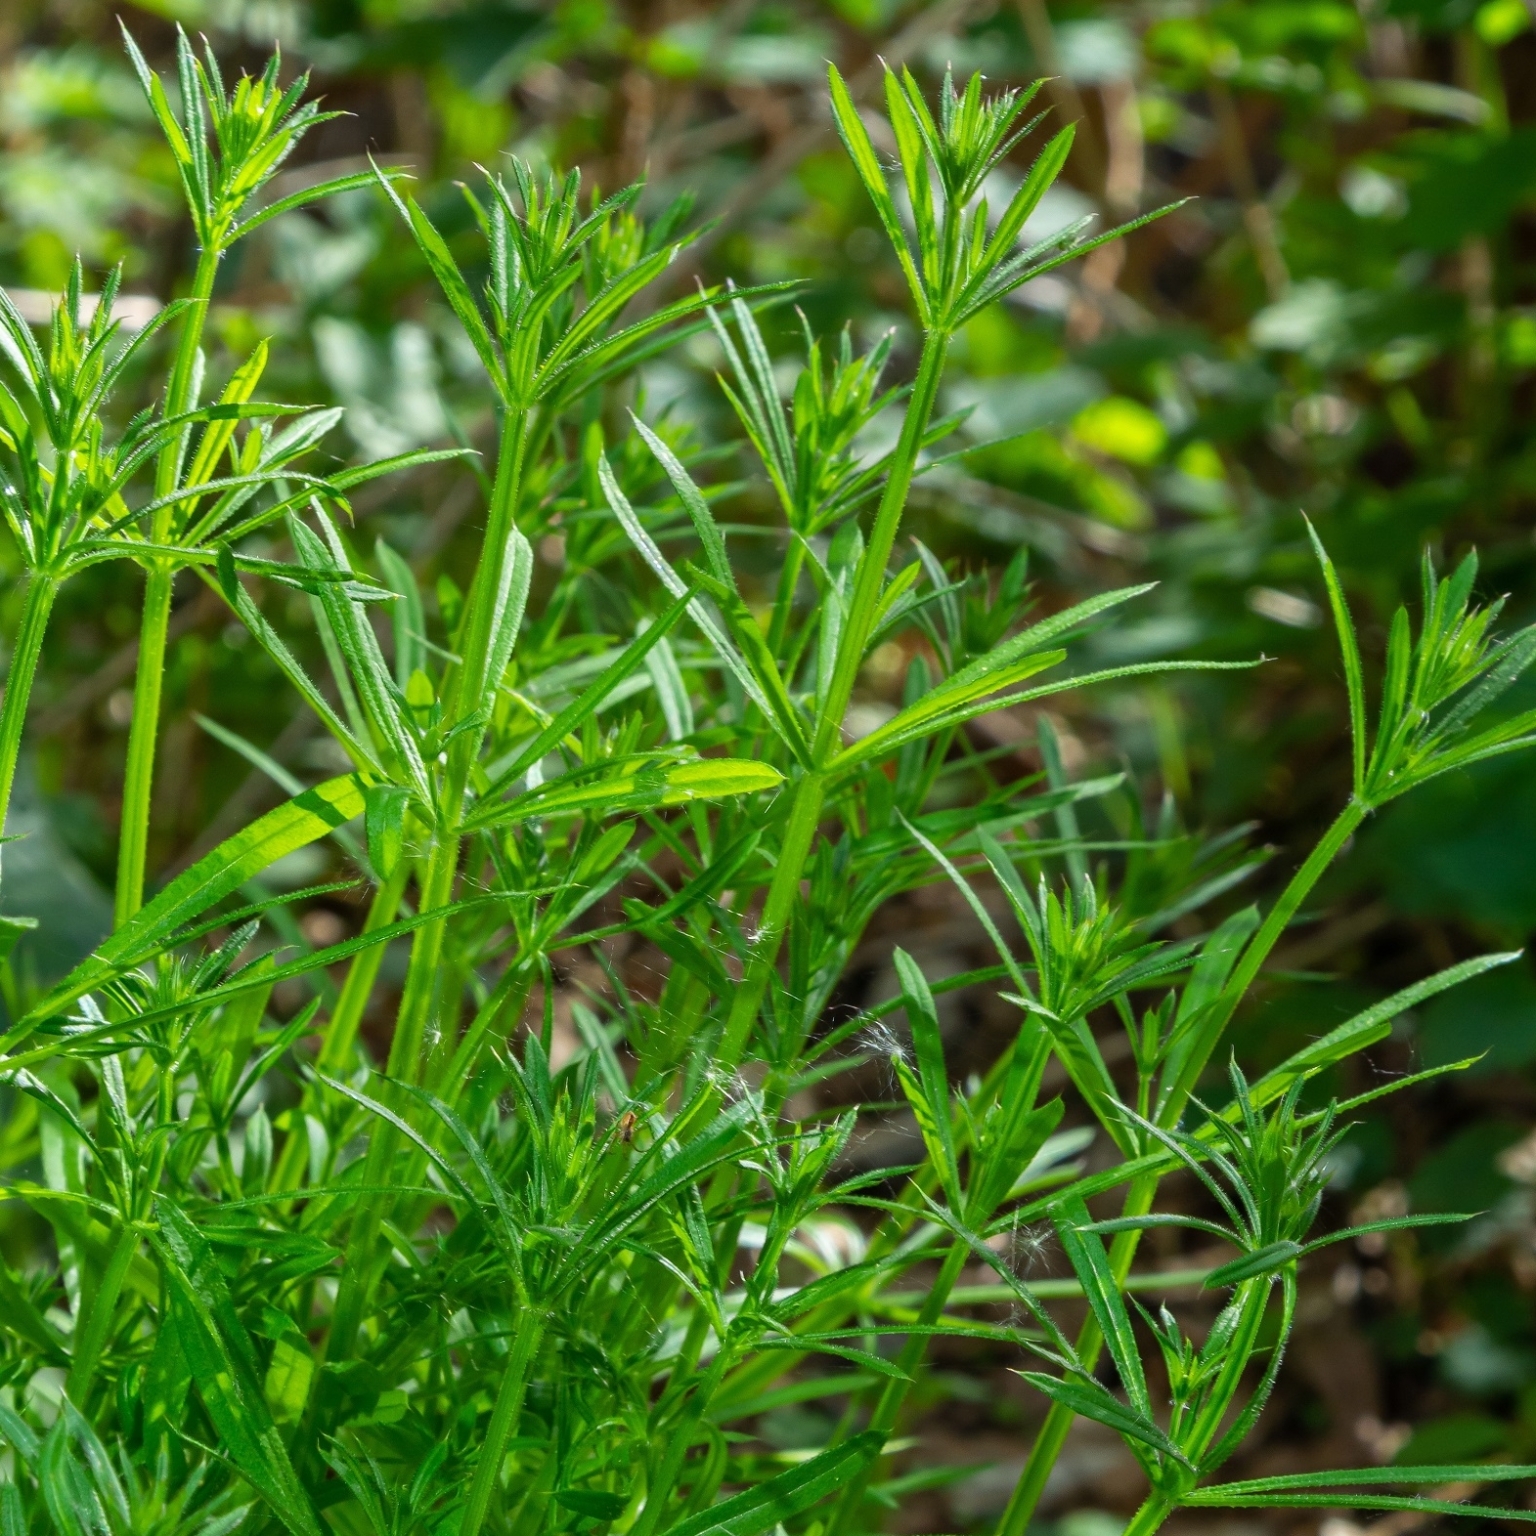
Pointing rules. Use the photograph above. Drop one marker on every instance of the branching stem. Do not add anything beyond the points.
(1053, 1434)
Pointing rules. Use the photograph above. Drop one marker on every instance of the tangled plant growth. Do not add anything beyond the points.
(471, 1288)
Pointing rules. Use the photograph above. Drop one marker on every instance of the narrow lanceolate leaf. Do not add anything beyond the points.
(359, 646)
(713, 541)
(460, 299)
(1369, 1026)
(928, 1091)
(225, 1369)
(308, 195)
(1391, 1224)
(1090, 1264)
(618, 504)
(785, 1496)
(303, 820)
(1089, 1400)
(888, 739)
(1218, 1498)
(1004, 666)
(866, 162)
(1373, 1477)
(1262, 1261)
(759, 657)
(271, 642)
(511, 601)
(590, 700)
(943, 707)
(648, 787)
(1349, 649)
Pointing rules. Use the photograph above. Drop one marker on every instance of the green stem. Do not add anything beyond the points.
(893, 1395)
(784, 602)
(359, 1272)
(870, 580)
(358, 987)
(1345, 824)
(138, 783)
(98, 1321)
(178, 389)
(1149, 1518)
(138, 780)
(810, 792)
(35, 611)
(405, 1051)
(783, 897)
(1058, 1421)
(679, 1441)
(1254, 1303)
(467, 684)
(504, 1417)
(1090, 1343)
(1329, 846)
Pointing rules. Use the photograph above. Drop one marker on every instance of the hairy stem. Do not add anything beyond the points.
(35, 611)
(504, 1416)
(1149, 1518)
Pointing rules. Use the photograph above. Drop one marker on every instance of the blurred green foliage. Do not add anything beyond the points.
(1342, 321)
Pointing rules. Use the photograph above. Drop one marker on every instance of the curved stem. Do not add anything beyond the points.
(36, 608)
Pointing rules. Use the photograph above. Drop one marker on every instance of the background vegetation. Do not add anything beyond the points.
(1342, 322)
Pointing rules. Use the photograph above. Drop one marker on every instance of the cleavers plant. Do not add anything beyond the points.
(545, 1266)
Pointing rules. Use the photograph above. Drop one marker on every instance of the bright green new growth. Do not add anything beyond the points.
(537, 1274)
